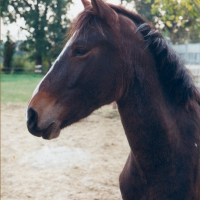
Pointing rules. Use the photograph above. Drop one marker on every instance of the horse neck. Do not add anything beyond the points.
(145, 114)
(154, 124)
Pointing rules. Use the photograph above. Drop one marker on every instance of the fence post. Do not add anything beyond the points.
(38, 69)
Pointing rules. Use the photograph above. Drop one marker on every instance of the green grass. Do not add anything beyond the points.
(18, 88)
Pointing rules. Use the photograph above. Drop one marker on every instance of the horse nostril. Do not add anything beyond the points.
(32, 118)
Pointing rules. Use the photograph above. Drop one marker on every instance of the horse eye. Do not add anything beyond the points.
(80, 52)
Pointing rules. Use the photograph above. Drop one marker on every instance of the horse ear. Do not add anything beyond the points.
(102, 10)
(85, 3)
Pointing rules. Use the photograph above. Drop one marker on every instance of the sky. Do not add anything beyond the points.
(17, 34)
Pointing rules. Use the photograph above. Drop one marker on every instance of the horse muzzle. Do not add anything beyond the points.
(51, 131)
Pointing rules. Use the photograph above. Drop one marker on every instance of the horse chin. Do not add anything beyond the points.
(52, 131)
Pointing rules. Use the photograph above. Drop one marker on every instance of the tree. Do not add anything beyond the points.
(144, 9)
(45, 20)
(8, 52)
(125, 0)
(181, 19)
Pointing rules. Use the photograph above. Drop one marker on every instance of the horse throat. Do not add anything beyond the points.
(144, 117)
(145, 128)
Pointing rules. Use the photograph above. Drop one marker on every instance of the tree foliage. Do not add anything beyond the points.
(144, 9)
(8, 52)
(45, 21)
(177, 19)
(180, 18)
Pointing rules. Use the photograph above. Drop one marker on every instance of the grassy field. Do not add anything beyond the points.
(18, 88)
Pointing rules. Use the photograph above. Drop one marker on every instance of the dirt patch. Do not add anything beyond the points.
(83, 163)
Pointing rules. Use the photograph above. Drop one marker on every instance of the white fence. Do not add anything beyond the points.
(189, 52)
(195, 70)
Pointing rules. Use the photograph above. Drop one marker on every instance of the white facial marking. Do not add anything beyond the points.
(196, 145)
(58, 58)
(65, 48)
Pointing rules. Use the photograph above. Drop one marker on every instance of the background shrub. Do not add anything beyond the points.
(22, 64)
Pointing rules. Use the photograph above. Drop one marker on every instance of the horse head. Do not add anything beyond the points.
(87, 74)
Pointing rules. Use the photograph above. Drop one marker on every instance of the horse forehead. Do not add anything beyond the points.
(90, 36)
(103, 32)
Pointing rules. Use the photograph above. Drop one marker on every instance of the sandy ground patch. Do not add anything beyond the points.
(83, 163)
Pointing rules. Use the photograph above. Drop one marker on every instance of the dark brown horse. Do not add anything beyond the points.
(116, 55)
